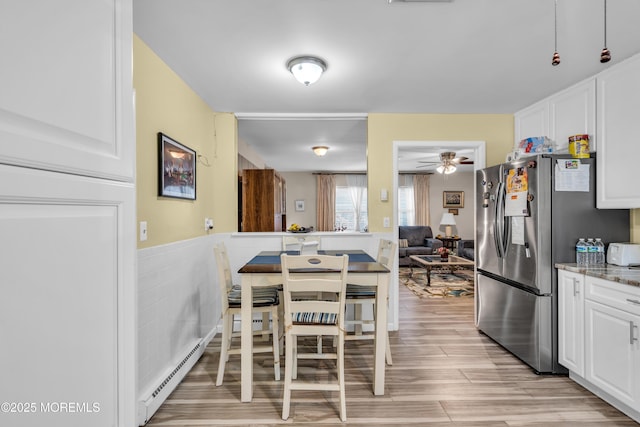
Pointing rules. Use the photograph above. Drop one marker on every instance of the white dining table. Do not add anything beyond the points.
(264, 270)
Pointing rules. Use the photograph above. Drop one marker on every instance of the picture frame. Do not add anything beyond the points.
(453, 211)
(299, 205)
(176, 169)
(453, 199)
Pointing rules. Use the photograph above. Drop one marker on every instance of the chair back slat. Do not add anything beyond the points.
(323, 285)
(386, 252)
(225, 280)
(305, 244)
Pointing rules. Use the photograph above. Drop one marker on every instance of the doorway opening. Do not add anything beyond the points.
(407, 158)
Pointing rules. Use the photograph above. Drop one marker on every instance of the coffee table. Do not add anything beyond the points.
(429, 262)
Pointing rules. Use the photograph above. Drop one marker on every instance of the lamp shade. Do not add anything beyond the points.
(447, 219)
(307, 69)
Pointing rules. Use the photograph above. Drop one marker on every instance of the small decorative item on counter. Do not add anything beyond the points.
(579, 146)
(295, 228)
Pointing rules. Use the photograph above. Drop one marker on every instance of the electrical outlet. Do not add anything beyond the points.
(386, 222)
(208, 224)
(143, 231)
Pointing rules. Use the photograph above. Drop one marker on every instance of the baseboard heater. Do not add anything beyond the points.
(147, 407)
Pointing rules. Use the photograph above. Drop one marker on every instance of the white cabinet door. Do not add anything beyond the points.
(67, 213)
(612, 351)
(618, 114)
(573, 112)
(66, 101)
(571, 321)
(532, 121)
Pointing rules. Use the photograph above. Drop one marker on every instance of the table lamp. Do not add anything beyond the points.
(447, 220)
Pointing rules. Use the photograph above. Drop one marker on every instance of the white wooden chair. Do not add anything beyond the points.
(313, 317)
(307, 245)
(360, 295)
(265, 301)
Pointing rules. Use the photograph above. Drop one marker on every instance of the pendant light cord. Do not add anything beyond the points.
(555, 25)
(605, 23)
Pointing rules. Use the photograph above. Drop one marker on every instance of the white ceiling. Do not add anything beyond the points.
(463, 56)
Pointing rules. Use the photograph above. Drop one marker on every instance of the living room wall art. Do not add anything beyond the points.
(176, 169)
(453, 199)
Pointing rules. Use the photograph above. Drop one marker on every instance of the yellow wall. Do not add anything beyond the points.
(164, 103)
(383, 129)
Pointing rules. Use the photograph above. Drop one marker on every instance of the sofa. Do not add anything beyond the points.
(466, 249)
(415, 240)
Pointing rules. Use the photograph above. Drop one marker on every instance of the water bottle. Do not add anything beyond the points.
(600, 254)
(581, 252)
(591, 252)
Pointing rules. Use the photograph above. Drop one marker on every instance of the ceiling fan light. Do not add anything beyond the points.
(320, 150)
(307, 69)
(446, 169)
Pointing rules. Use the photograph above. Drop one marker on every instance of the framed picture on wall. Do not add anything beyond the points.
(299, 205)
(176, 169)
(453, 211)
(453, 199)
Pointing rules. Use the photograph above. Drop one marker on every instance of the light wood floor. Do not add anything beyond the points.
(444, 373)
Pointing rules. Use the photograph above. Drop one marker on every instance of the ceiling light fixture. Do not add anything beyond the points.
(605, 55)
(320, 150)
(556, 56)
(306, 69)
(446, 169)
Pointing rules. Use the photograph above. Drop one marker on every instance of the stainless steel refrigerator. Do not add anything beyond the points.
(530, 214)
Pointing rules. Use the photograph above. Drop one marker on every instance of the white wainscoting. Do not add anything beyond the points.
(178, 302)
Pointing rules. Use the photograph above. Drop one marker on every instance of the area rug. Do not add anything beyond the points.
(443, 283)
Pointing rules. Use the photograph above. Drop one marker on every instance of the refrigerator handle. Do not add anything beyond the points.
(500, 225)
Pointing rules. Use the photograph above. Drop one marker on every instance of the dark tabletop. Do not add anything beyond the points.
(269, 262)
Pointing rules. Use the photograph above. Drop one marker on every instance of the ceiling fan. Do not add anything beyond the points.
(447, 163)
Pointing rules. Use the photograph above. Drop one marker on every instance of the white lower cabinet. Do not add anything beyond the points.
(612, 318)
(598, 337)
(571, 321)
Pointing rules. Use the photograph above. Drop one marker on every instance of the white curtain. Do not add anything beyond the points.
(406, 200)
(421, 195)
(357, 184)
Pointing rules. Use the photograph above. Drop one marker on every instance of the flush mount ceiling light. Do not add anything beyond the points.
(320, 150)
(306, 69)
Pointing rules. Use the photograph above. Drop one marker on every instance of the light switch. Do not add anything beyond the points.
(143, 231)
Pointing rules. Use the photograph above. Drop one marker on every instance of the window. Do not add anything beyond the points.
(406, 209)
(348, 218)
(406, 201)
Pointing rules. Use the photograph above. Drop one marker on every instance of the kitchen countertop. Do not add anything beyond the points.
(614, 273)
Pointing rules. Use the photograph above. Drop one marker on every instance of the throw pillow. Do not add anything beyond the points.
(403, 243)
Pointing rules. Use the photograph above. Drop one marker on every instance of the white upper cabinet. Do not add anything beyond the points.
(573, 112)
(532, 121)
(618, 148)
(566, 113)
(66, 101)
